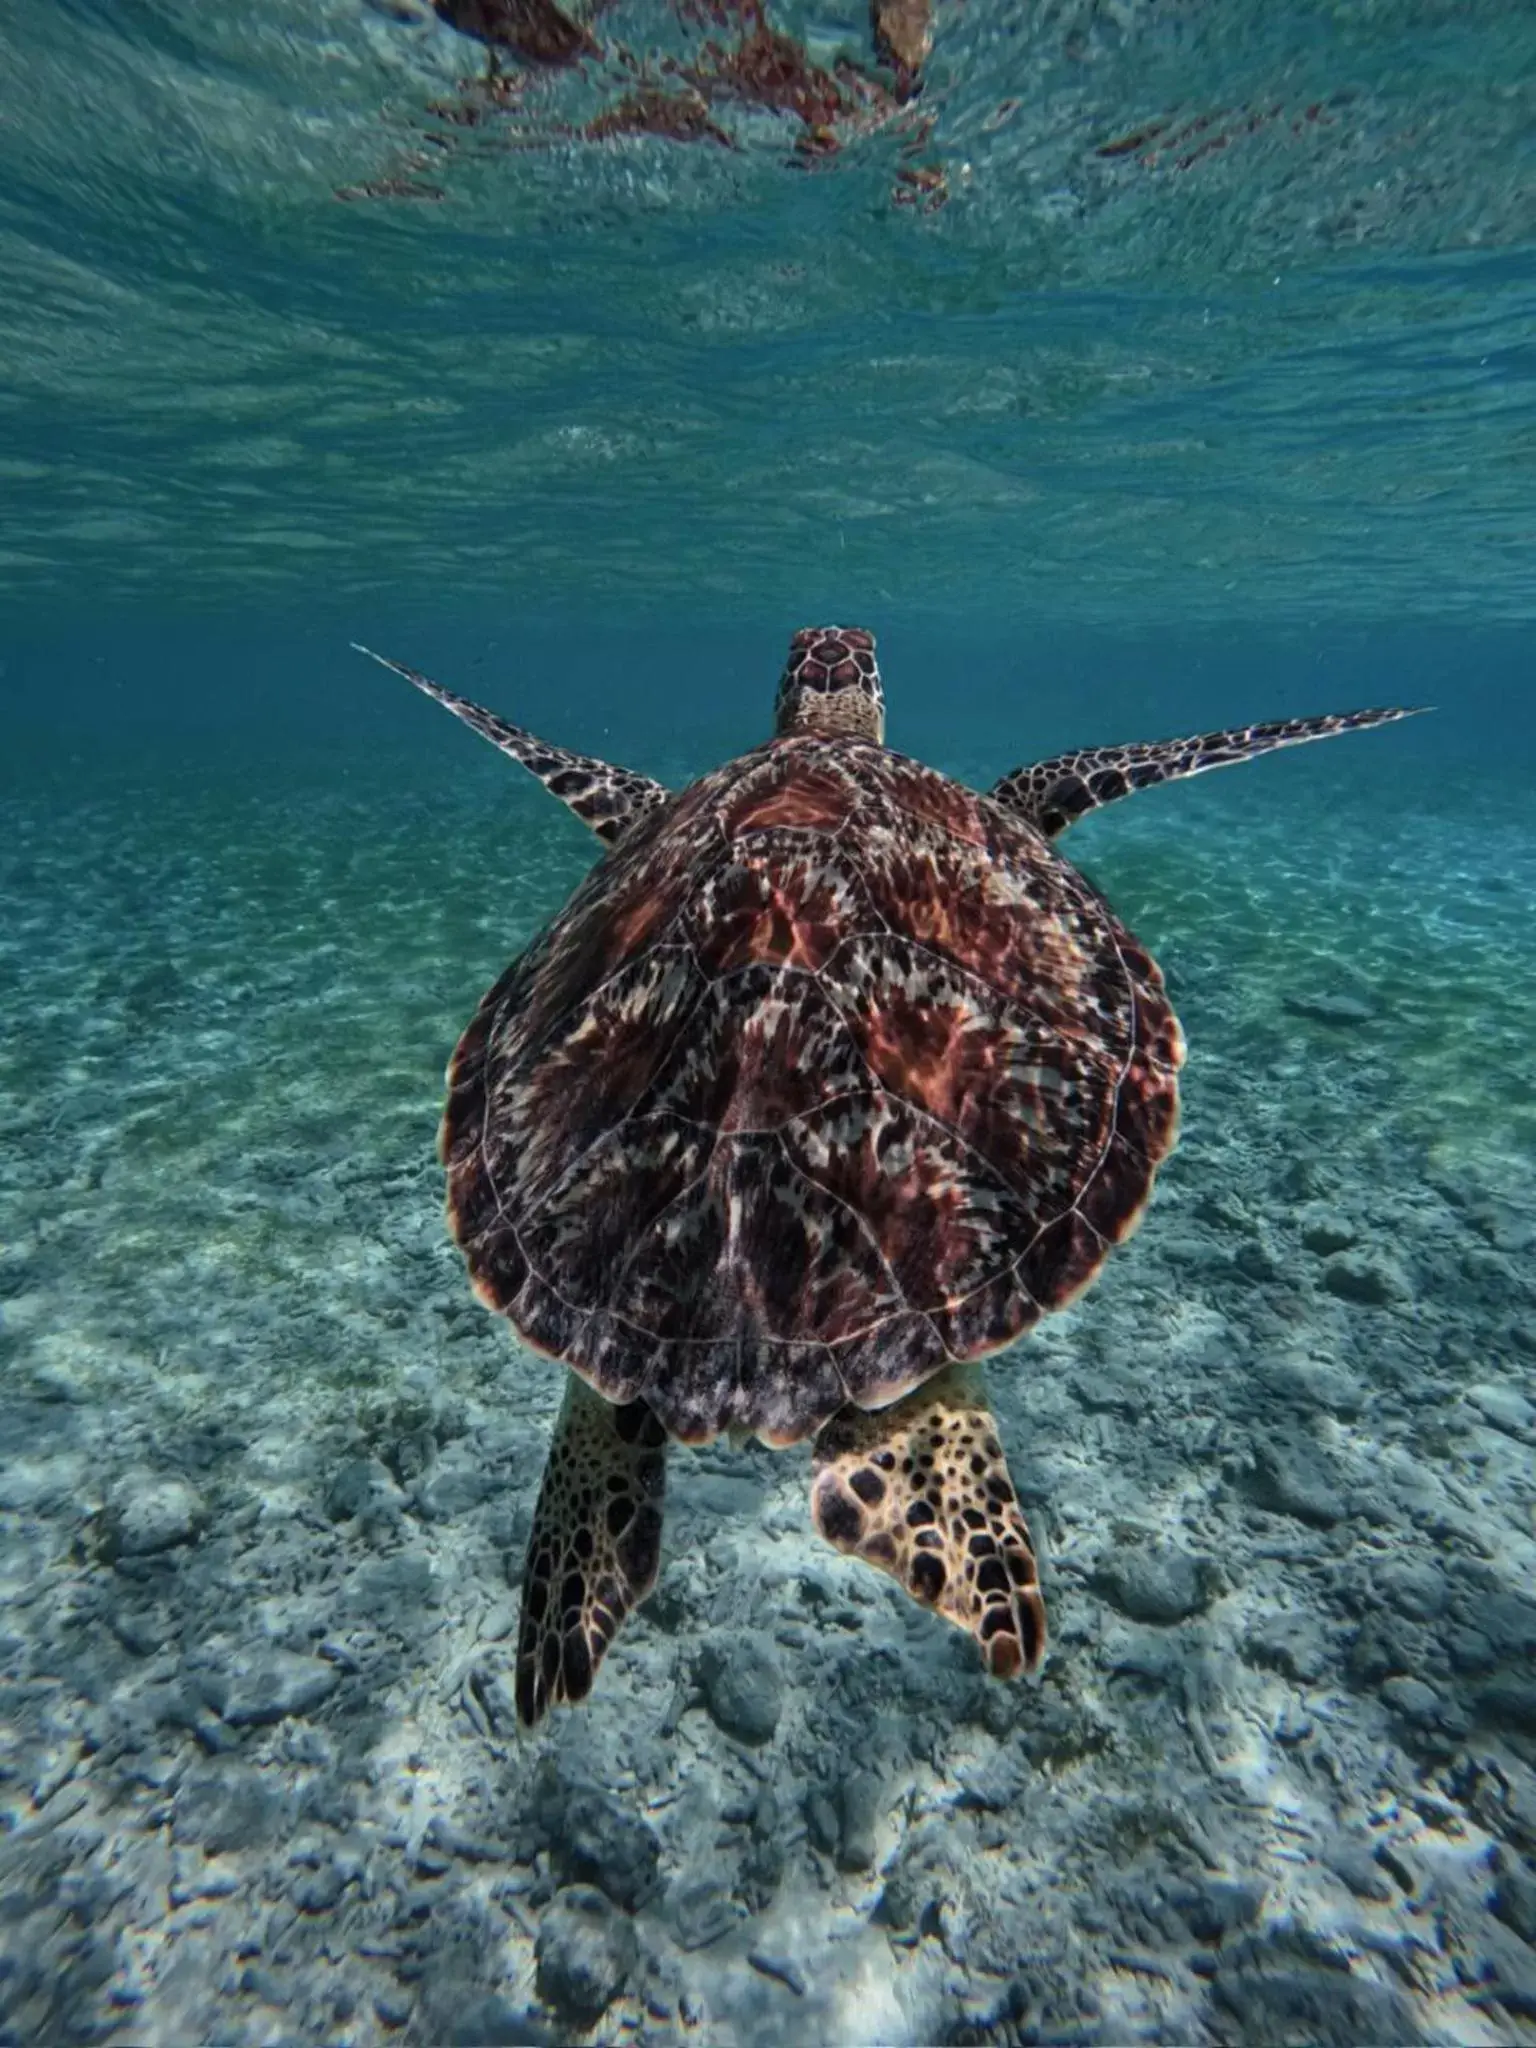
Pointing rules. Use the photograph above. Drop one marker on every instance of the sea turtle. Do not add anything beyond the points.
(832, 1077)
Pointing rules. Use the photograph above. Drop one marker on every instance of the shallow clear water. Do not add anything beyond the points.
(1157, 368)
(1176, 380)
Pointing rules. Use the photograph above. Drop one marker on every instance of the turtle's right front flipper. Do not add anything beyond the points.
(1051, 794)
(608, 799)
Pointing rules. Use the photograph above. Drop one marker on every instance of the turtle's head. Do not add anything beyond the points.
(831, 684)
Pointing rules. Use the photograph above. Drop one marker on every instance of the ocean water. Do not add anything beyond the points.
(1152, 368)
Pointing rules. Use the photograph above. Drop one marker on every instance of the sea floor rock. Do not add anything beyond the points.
(585, 1952)
(1326, 1230)
(858, 1805)
(598, 1841)
(1370, 1278)
(230, 1806)
(1292, 1477)
(253, 1686)
(743, 1686)
(146, 1513)
(1506, 1408)
(1340, 1008)
(1161, 1585)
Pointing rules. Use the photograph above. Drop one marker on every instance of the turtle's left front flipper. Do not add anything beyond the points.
(921, 1490)
(1053, 793)
(608, 799)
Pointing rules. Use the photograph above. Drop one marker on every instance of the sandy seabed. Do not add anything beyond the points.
(266, 1470)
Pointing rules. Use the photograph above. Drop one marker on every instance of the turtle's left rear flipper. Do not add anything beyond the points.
(595, 1546)
(921, 1490)
(1051, 794)
(608, 799)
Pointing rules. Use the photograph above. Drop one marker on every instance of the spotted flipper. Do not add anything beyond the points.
(903, 37)
(608, 799)
(595, 1546)
(1051, 794)
(921, 1490)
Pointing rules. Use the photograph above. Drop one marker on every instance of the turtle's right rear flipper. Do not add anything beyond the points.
(608, 799)
(595, 1546)
(1051, 794)
(921, 1490)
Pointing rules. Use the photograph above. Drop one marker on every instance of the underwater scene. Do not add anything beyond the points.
(743, 1516)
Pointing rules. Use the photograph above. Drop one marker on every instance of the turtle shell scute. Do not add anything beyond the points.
(834, 1074)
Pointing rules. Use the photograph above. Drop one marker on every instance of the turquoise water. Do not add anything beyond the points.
(1155, 368)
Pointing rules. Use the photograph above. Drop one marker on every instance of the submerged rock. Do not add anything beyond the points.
(1324, 2008)
(859, 1803)
(1214, 1907)
(782, 1968)
(1366, 1277)
(821, 1822)
(1505, 1409)
(148, 1512)
(1292, 1479)
(910, 1896)
(1331, 1006)
(1514, 1899)
(1354, 1865)
(1509, 1701)
(762, 1867)
(257, 1686)
(1412, 1700)
(585, 1952)
(361, 1486)
(743, 1686)
(1314, 1383)
(1325, 1229)
(453, 1486)
(698, 1911)
(1157, 1584)
(1285, 1643)
(487, 2020)
(1507, 1229)
(599, 1842)
(228, 1806)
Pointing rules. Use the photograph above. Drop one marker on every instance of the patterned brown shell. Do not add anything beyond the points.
(831, 1073)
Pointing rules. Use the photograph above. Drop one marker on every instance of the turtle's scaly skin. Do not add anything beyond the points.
(834, 1072)
(1054, 794)
(608, 799)
(831, 683)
